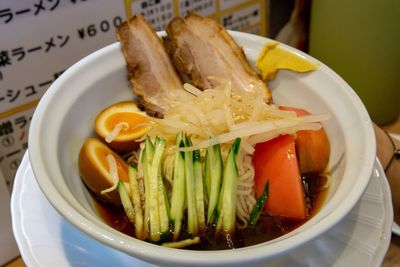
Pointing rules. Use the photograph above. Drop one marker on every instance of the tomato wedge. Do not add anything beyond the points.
(312, 147)
(275, 160)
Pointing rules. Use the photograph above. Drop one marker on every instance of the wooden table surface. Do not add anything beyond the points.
(392, 258)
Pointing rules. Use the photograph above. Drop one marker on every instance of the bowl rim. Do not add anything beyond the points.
(144, 250)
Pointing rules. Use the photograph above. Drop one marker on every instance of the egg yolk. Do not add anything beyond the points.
(102, 153)
(132, 119)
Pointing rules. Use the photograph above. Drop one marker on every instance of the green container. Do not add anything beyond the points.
(360, 40)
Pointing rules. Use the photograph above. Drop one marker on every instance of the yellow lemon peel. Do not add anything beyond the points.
(273, 58)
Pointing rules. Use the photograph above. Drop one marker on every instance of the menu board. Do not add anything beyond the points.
(40, 39)
(239, 15)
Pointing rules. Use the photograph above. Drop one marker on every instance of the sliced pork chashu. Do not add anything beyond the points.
(150, 70)
(201, 48)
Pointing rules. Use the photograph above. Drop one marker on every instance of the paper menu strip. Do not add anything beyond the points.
(44, 38)
(38, 48)
(9, 249)
(160, 12)
(244, 19)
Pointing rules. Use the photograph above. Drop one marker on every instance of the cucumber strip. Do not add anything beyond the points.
(152, 170)
(135, 198)
(229, 190)
(147, 156)
(178, 191)
(164, 220)
(156, 193)
(213, 177)
(146, 178)
(199, 188)
(149, 147)
(207, 172)
(166, 200)
(256, 212)
(146, 215)
(175, 200)
(177, 196)
(218, 212)
(126, 202)
(182, 243)
(190, 191)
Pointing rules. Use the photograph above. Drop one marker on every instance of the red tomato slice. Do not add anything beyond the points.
(312, 147)
(276, 161)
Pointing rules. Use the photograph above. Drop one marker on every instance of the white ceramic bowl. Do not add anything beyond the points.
(65, 115)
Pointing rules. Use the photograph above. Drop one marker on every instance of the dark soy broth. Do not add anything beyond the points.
(267, 227)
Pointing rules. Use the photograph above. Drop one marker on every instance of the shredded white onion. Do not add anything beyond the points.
(263, 137)
(268, 128)
(117, 128)
(112, 165)
(219, 115)
(191, 89)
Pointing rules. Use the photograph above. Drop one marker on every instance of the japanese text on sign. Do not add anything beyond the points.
(32, 58)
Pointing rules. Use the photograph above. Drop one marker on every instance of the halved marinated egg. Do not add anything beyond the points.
(101, 168)
(120, 124)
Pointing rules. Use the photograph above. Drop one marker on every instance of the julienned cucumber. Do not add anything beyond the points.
(198, 180)
(147, 156)
(162, 203)
(154, 213)
(256, 212)
(157, 208)
(227, 206)
(220, 184)
(213, 177)
(190, 191)
(135, 198)
(178, 189)
(126, 202)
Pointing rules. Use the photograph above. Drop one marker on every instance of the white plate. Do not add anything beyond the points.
(46, 239)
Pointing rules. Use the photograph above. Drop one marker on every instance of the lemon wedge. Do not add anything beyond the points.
(273, 58)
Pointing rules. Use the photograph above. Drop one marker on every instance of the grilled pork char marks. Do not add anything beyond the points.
(201, 48)
(150, 70)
